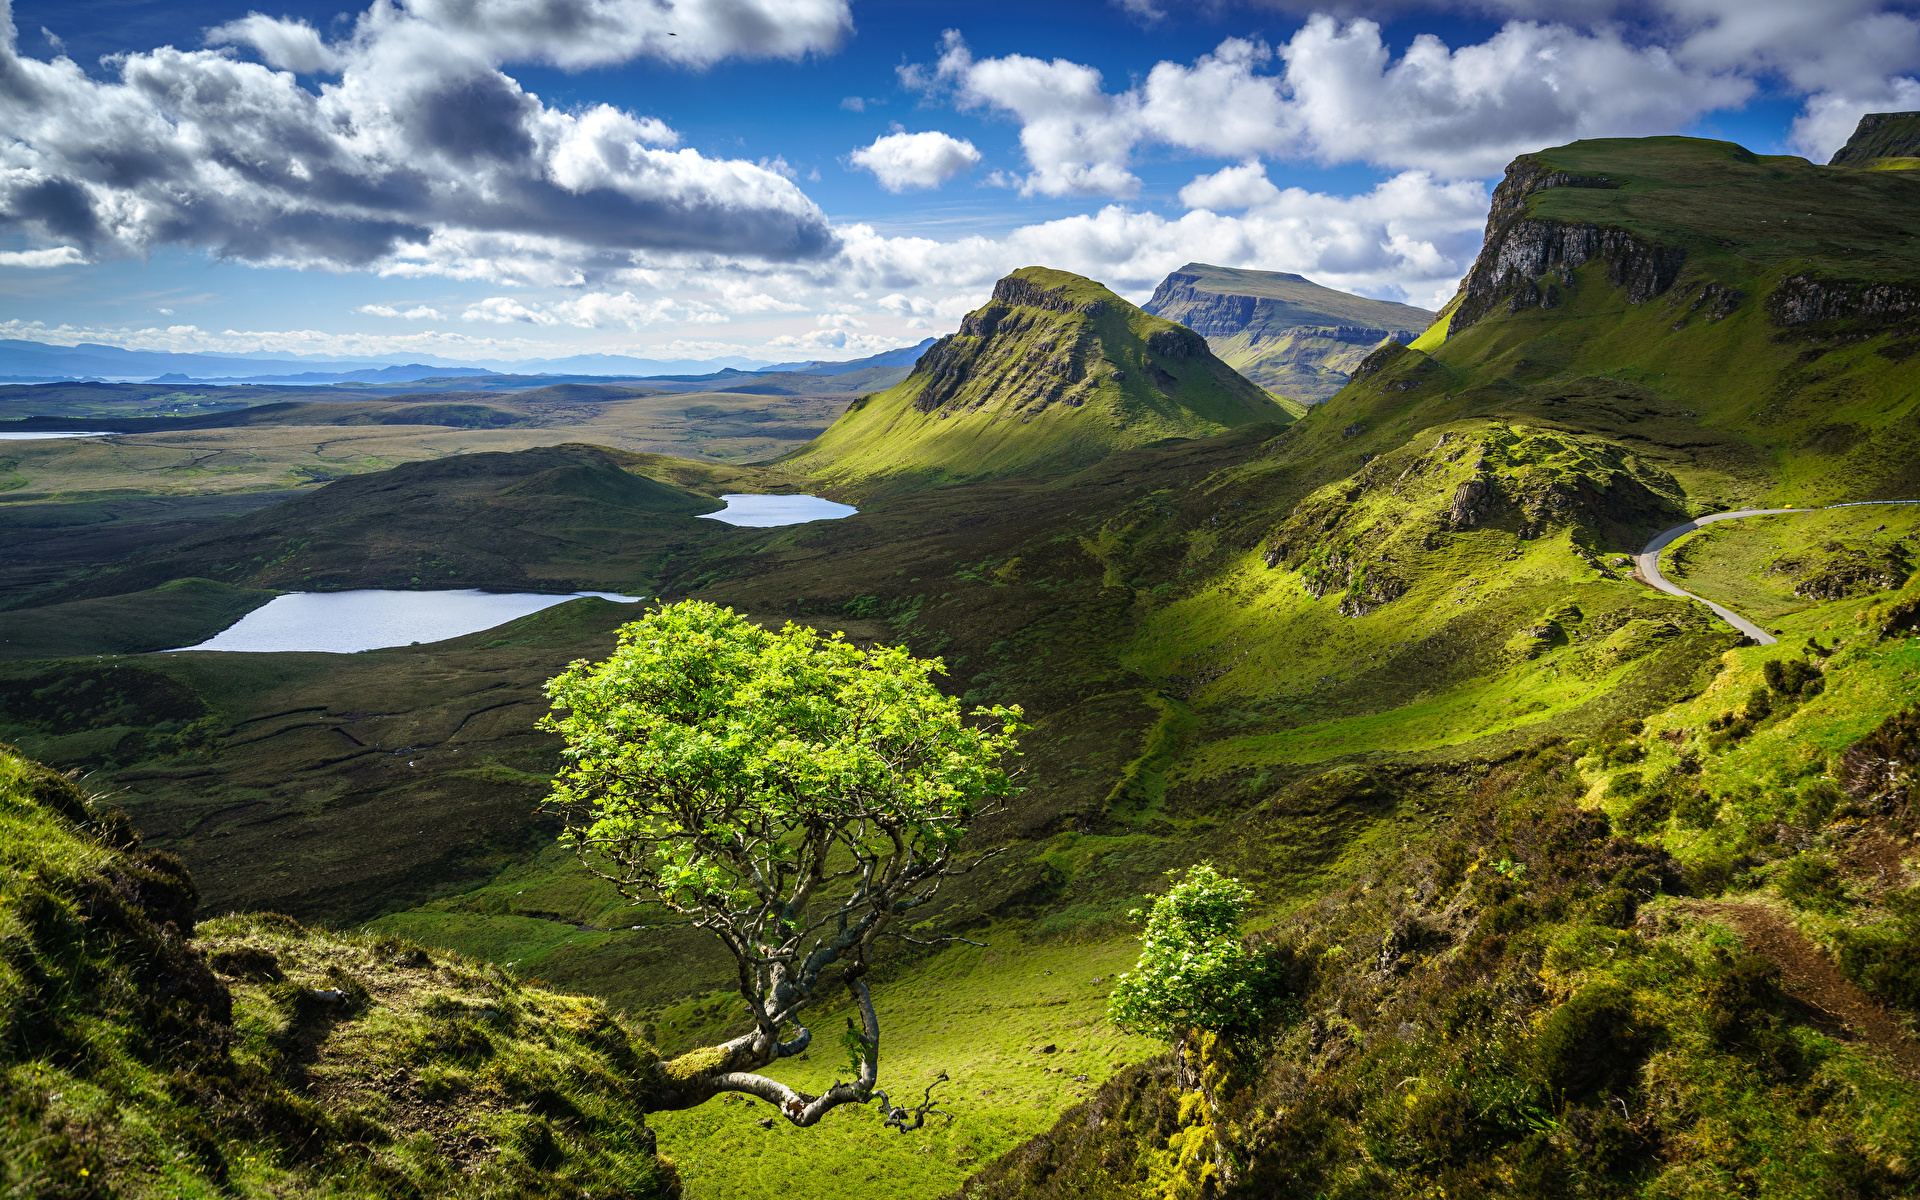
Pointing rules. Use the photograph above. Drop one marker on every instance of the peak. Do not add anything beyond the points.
(1880, 135)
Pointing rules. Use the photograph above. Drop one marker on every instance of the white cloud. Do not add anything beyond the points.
(835, 339)
(418, 312)
(839, 321)
(504, 310)
(1230, 187)
(285, 43)
(52, 256)
(421, 158)
(854, 104)
(901, 161)
(594, 310)
(1335, 92)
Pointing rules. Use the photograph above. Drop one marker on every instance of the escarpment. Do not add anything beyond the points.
(1526, 260)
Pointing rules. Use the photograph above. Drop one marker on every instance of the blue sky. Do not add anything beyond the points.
(487, 181)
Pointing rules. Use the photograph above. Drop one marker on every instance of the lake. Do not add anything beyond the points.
(26, 437)
(762, 512)
(369, 619)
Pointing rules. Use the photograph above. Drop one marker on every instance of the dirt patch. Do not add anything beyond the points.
(1813, 979)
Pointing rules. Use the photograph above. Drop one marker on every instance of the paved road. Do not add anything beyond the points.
(1648, 560)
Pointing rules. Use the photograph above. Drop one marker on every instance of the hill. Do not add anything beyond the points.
(1056, 372)
(556, 519)
(1284, 332)
(253, 1056)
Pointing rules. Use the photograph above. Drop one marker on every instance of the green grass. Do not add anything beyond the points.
(1755, 564)
(183, 612)
(982, 1016)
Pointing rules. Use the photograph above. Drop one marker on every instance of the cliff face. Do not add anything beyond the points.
(1880, 136)
(1285, 332)
(1523, 258)
(1054, 372)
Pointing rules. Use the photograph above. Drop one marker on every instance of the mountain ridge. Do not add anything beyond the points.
(1281, 330)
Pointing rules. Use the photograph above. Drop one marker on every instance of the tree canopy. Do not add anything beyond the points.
(1194, 972)
(789, 792)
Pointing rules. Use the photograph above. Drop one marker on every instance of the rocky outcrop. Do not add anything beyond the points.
(1176, 342)
(1523, 257)
(1803, 299)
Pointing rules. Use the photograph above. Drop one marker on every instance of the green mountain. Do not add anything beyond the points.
(1284, 332)
(1056, 372)
(1889, 140)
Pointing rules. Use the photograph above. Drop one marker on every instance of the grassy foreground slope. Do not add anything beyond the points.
(146, 1055)
(1055, 373)
(1284, 332)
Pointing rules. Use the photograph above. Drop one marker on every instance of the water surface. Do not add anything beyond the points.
(59, 433)
(368, 619)
(763, 512)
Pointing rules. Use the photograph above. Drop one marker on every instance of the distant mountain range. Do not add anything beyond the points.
(1285, 332)
(38, 362)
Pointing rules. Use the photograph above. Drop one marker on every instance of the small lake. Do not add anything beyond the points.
(763, 512)
(34, 437)
(369, 619)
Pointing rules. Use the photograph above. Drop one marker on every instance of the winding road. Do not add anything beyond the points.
(1647, 562)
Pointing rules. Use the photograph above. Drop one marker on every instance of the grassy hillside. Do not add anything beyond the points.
(1284, 332)
(553, 519)
(1056, 373)
(150, 1056)
(184, 612)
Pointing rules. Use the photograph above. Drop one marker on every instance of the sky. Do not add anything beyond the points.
(508, 180)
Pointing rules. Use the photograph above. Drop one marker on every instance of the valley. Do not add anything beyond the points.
(1510, 815)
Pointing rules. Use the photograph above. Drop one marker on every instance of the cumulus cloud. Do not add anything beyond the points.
(52, 256)
(420, 156)
(1335, 92)
(901, 161)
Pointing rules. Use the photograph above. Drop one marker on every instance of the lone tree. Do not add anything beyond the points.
(791, 793)
(1194, 972)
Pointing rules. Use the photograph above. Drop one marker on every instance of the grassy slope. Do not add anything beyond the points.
(1756, 565)
(184, 1063)
(181, 613)
(999, 424)
(1815, 414)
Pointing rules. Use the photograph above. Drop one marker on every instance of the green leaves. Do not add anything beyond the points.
(1193, 971)
(718, 763)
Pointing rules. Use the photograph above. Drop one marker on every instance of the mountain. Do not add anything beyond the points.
(1284, 332)
(1054, 373)
(905, 356)
(1889, 138)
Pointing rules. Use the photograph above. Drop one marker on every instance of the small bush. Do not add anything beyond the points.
(1697, 810)
(1648, 811)
(1592, 1042)
(1741, 998)
(1886, 960)
(1811, 881)
(1818, 800)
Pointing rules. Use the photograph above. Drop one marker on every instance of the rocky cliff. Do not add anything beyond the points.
(1054, 372)
(1284, 332)
(1880, 136)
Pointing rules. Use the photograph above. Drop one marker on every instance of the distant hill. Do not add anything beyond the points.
(1285, 332)
(1056, 372)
